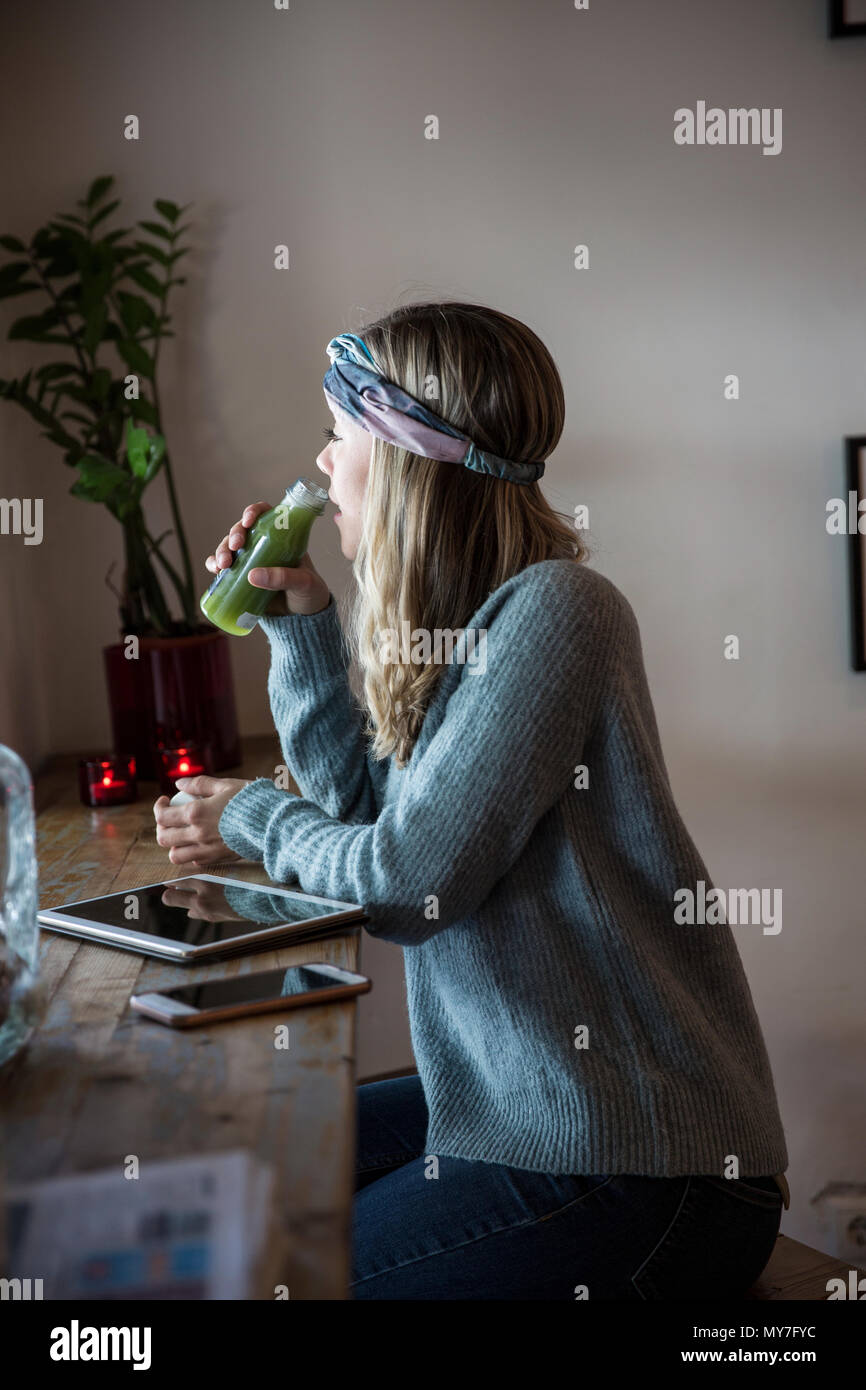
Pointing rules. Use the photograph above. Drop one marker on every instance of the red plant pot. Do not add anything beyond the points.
(178, 690)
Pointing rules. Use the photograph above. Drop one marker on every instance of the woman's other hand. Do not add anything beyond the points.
(189, 832)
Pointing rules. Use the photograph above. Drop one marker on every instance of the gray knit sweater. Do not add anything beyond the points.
(561, 1019)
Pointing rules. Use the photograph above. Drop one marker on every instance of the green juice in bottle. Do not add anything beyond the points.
(279, 537)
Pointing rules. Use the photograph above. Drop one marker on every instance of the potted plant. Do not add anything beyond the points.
(169, 678)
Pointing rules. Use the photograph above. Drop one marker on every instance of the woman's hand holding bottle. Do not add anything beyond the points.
(296, 590)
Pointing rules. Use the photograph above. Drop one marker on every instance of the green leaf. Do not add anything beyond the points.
(68, 217)
(100, 479)
(136, 449)
(96, 321)
(135, 312)
(143, 410)
(135, 356)
(61, 437)
(100, 384)
(115, 419)
(67, 372)
(170, 211)
(82, 419)
(176, 255)
(158, 230)
(75, 393)
(11, 243)
(36, 327)
(155, 456)
(17, 391)
(145, 280)
(71, 455)
(103, 213)
(144, 454)
(98, 189)
(52, 370)
(21, 287)
(61, 266)
(13, 271)
(56, 240)
(69, 297)
(95, 283)
(149, 249)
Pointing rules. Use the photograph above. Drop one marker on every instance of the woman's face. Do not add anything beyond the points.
(346, 461)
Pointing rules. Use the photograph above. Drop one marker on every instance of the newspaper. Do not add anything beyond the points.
(188, 1228)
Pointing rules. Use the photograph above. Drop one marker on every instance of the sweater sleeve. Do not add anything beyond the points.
(513, 731)
(317, 718)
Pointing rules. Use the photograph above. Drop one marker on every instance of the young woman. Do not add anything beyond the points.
(594, 1113)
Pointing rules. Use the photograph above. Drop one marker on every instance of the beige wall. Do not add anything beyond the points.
(307, 127)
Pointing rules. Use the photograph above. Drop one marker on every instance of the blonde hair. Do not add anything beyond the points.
(437, 538)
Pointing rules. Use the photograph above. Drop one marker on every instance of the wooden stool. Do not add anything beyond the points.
(798, 1272)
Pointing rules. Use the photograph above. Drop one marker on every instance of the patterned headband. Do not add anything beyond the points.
(380, 406)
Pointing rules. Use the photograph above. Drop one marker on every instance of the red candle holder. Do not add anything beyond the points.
(107, 781)
(189, 760)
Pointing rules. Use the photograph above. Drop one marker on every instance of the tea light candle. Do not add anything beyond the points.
(107, 781)
(188, 761)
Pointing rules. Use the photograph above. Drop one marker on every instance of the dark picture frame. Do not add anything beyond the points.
(855, 470)
(847, 18)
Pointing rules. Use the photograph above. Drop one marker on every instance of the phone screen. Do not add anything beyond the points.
(249, 989)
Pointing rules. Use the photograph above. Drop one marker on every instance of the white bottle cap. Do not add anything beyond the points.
(181, 798)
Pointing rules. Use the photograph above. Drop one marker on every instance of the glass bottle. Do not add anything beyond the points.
(279, 537)
(19, 928)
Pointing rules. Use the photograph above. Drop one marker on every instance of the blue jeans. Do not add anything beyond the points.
(486, 1231)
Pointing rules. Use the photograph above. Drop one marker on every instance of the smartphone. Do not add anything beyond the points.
(270, 991)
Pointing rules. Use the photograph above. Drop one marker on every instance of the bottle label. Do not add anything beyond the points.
(247, 620)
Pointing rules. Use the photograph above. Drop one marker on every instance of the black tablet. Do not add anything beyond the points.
(202, 917)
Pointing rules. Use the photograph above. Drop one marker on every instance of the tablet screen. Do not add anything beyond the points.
(197, 911)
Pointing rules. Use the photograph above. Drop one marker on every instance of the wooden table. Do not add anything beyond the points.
(98, 1082)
